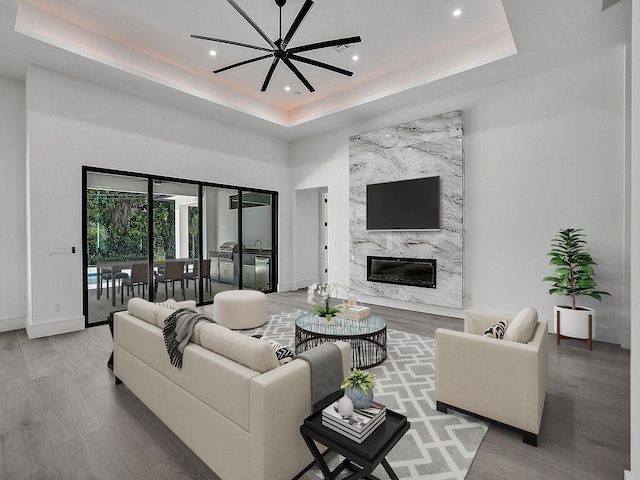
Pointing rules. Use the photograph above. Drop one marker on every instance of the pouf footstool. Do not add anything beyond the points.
(240, 309)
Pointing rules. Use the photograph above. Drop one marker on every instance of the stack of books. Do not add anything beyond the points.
(354, 312)
(359, 425)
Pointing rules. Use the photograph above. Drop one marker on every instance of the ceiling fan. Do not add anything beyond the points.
(278, 48)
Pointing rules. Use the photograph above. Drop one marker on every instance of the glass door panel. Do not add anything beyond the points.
(257, 223)
(176, 257)
(220, 241)
(116, 239)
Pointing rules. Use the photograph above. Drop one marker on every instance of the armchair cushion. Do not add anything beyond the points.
(521, 328)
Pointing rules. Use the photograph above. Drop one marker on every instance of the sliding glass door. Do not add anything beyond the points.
(116, 230)
(176, 248)
(190, 241)
(257, 232)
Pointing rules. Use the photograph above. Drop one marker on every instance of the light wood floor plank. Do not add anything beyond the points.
(66, 412)
(26, 454)
(90, 456)
(136, 437)
(18, 404)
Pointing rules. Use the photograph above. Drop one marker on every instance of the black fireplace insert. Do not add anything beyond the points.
(416, 272)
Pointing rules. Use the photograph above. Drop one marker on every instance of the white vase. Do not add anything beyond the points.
(574, 323)
(345, 406)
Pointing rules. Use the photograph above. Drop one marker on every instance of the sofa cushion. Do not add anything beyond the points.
(521, 328)
(170, 303)
(248, 351)
(496, 331)
(144, 310)
(170, 306)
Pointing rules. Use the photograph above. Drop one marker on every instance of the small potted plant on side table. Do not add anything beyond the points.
(573, 277)
(358, 387)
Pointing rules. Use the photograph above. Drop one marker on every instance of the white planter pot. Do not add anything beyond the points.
(575, 323)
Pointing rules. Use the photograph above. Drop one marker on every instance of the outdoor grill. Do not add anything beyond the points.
(227, 249)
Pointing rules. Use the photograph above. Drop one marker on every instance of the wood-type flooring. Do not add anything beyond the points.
(62, 417)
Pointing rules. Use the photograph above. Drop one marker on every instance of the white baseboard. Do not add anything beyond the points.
(627, 475)
(304, 283)
(8, 324)
(46, 329)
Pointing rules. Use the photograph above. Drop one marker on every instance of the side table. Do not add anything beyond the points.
(360, 458)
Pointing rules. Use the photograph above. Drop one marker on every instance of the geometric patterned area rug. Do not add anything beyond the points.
(438, 446)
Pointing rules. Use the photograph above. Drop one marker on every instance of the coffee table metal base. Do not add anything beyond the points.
(368, 338)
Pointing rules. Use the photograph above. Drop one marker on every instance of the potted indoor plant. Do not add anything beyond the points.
(358, 386)
(325, 290)
(573, 277)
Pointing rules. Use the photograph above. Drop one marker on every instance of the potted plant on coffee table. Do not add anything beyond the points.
(573, 277)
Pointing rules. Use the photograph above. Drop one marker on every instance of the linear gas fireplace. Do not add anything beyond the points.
(417, 272)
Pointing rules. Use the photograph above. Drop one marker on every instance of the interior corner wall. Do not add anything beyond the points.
(635, 245)
(542, 152)
(13, 280)
(307, 233)
(71, 123)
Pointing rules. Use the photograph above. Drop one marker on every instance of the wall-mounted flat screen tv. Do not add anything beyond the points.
(404, 205)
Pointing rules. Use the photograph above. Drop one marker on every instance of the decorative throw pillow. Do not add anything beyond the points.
(170, 303)
(521, 328)
(496, 331)
(284, 354)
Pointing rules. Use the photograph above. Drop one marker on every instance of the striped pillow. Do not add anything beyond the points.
(496, 331)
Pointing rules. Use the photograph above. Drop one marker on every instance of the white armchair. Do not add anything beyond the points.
(499, 380)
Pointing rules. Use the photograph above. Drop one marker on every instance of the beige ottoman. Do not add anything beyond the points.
(240, 309)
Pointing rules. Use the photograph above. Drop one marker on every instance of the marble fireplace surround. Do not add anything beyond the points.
(422, 148)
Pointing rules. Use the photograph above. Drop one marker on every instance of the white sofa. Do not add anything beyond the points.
(231, 402)
(503, 381)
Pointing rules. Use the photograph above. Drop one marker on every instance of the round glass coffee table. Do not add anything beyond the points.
(368, 337)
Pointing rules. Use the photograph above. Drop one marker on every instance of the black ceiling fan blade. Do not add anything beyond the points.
(269, 74)
(252, 23)
(297, 73)
(243, 63)
(316, 63)
(296, 23)
(231, 42)
(328, 43)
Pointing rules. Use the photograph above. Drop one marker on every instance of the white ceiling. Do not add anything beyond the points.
(410, 51)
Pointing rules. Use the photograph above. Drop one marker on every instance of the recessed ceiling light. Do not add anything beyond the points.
(457, 12)
(287, 88)
(355, 58)
(212, 53)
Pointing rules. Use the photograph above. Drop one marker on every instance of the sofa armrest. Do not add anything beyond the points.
(477, 322)
(280, 401)
(493, 378)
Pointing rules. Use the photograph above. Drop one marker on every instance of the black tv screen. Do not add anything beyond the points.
(404, 205)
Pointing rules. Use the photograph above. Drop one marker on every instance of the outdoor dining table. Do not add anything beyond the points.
(114, 267)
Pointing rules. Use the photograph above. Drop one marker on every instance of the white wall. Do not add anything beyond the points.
(542, 152)
(71, 123)
(307, 234)
(13, 280)
(635, 244)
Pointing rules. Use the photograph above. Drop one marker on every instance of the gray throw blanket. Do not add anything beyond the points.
(325, 362)
(177, 331)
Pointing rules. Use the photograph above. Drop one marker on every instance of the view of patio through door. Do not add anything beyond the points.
(182, 245)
